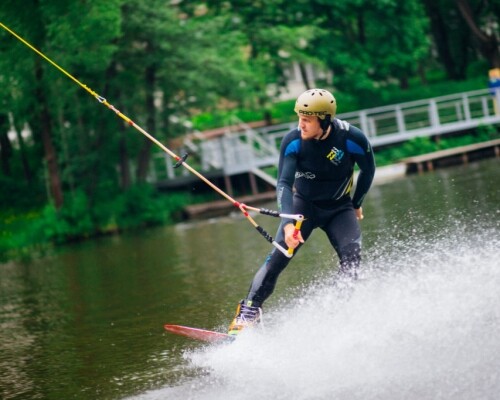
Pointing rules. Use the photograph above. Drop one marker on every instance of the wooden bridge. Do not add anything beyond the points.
(243, 149)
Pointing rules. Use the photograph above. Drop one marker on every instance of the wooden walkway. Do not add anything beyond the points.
(223, 207)
(454, 156)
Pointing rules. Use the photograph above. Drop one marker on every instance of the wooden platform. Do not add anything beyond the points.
(223, 207)
(454, 156)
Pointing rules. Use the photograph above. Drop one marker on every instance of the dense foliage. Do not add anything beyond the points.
(168, 64)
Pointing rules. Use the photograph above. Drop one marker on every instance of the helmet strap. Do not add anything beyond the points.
(324, 124)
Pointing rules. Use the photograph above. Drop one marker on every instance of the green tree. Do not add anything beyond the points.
(450, 36)
(170, 65)
(275, 32)
(5, 146)
(44, 107)
(482, 19)
(462, 30)
(156, 63)
(368, 43)
(33, 71)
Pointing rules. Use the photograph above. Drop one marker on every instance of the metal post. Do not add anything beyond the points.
(484, 106)
(496, 101)
(169, 167)
(433, 113)
(400, 119)
(363, 121)
(465, 101)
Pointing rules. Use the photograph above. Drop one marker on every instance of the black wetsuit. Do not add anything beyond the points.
(322, 173)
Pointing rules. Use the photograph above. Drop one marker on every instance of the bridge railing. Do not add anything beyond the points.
(247, 148)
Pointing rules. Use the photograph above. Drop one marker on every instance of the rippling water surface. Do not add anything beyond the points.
(421, 323)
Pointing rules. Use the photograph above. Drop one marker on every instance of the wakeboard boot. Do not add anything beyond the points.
(246, 315)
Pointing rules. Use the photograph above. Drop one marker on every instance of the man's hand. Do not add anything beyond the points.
(291, 240)
(359, 213)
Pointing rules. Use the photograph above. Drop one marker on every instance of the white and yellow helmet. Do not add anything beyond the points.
(316, 102)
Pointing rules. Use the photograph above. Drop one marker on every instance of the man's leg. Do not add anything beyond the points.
(344, 234)
(266, 277)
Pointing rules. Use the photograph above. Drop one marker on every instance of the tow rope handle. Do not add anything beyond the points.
(298, 224)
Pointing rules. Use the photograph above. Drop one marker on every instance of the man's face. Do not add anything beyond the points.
(309, 127)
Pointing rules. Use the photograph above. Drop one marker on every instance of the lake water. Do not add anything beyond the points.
(422, 322)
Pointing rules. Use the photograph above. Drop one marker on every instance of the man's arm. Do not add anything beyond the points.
(362, 151)
(286, 175)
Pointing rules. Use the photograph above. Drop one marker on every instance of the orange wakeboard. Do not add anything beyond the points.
(199, 334)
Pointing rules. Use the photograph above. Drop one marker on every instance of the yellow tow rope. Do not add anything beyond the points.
(180, 160)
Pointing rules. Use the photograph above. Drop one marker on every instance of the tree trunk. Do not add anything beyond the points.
(403, 82)
(421, 74)
(303, 74)
(125, 178)
(5, 145)
(440, 34)
(28, 174)
(486, 44)
(145, 153)
(48, 145)
(360, 19)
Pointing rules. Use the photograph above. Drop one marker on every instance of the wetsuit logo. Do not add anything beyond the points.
(307, 175)
(335, 156)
